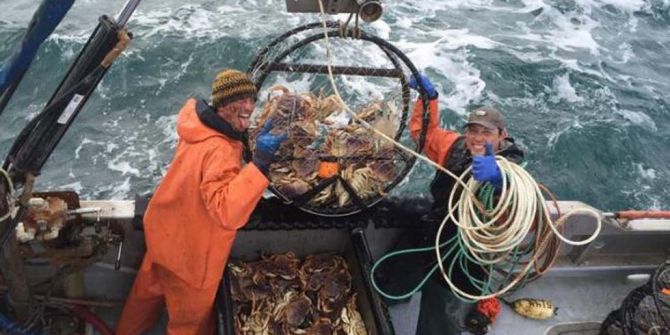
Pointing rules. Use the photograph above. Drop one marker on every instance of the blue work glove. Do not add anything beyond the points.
(266, 146)
(427, 85)
(485, 169)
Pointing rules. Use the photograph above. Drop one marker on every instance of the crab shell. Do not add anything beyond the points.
(323, 326)
(292, 187)
(302, 133)
(258, 320)
(279, 171)
(306, 168)
(285, 109)
(336, 286)
(315, 270)
(383, 170)
(312, 136)
(277, 328)
(257, 276)
(352, 322)
(282, 265)
(258, 292)
(313, 281)
(320, 107)
(281, 309)
(240, 281)
(325, 196)
(305, 163)
(369, 112)
(359, 144)
(332, 309)
(333, 295)
(298, 310)
(336, 143)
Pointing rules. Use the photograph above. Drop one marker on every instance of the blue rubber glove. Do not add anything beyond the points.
(427, 85)
(266, 146)
(485, 169)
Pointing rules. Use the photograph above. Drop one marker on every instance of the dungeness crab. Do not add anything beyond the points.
(280, 294)
(320, 132)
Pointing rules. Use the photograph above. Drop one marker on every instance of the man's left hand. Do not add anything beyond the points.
(485, 169)
(266, 146)
(426, 85)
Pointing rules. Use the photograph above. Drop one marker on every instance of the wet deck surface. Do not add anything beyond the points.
(587, 298)
(580, 299)
(581, 294)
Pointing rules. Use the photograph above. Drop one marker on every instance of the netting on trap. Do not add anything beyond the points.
(331, 163)
(645, 310)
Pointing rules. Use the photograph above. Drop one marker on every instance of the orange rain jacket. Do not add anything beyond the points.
(206, 195)
(438, 140)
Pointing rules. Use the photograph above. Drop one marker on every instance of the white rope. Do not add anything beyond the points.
(363, 122)
(490, 241)
(520, 199)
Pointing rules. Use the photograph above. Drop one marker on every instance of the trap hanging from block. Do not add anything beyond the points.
(332, 164)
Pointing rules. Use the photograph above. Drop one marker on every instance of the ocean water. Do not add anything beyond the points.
(584, 85)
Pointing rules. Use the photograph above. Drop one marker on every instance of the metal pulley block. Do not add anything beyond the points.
(368, 10)
(44, 220)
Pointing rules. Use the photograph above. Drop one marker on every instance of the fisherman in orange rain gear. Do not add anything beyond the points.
(193, 217)
(485, 134)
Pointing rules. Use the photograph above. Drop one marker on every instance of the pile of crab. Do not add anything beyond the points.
(319, 130)
(279, 294)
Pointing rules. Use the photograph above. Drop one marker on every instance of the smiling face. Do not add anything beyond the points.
(477, 135)
(237, 113)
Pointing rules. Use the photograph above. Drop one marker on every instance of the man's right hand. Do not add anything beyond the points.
(267, 145)
(424, 82)
(485, 169)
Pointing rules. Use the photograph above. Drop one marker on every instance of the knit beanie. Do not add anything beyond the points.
(231, 85)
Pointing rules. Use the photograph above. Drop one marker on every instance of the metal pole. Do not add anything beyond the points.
(126, 12)
(348, 70)
(4, 98)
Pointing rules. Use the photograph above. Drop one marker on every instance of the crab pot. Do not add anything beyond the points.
(332, 165)
(351, 245)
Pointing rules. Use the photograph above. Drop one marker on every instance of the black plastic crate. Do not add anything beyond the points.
(353, 246)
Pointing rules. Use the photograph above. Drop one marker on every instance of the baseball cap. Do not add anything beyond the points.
(486, 116)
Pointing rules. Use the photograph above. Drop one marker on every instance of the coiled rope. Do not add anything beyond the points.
(495, 237)
(489, 236)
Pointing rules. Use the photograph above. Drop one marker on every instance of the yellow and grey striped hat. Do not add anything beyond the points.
(231, 85)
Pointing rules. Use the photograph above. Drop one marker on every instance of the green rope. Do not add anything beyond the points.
(455, 245)
(404, 252)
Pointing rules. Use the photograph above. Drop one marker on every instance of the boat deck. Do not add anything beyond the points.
(585, 283)
(582, 295)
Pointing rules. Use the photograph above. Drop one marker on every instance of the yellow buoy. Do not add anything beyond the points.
(537, 309)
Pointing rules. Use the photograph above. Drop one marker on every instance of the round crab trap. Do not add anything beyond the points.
(661, 291)
(645, 310)
(332, 164)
